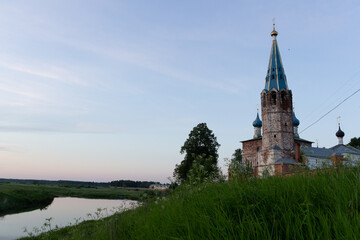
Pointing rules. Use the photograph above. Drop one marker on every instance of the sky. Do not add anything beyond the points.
(97, 90)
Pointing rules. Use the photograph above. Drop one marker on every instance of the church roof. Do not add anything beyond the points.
(302, 140)
(317, 152)
(275, 77)
(339, 149)
(252, 139)
(287, 160)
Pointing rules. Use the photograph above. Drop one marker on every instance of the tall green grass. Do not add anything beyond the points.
(309, 206)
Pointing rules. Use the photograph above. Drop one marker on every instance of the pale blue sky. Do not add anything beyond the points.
(106, 90)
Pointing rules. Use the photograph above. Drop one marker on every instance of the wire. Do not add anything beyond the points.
(338, 92)
(331, 110)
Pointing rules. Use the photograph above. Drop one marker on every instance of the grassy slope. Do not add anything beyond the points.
(323, 206)
(23, 197)
(16, 197)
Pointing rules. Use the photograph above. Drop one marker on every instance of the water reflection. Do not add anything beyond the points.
(62, 212)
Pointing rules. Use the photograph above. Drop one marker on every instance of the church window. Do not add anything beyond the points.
(273, 98)
(283, 97)
(280, 76)
(273, 69)
(273, 76)
(263, 102)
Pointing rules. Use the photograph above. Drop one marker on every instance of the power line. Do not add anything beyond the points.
(338, 91)
(331, 110)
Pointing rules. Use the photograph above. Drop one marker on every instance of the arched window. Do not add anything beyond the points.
(283, 97)
(263, 102)
(273, 98)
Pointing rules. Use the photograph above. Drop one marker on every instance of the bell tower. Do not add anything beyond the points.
(276, 111)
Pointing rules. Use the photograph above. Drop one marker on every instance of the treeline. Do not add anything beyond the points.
(69, 183)
(132, 184)
(65, 183)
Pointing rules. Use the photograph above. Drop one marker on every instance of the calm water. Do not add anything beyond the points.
(63, 211)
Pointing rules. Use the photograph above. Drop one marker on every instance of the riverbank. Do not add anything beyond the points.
(325, 205)
(16, 198)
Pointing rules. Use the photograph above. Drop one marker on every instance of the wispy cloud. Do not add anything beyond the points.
(29, 71)
(5, 149)
(153, 61)
(46, 71)
(27, 93)
(38, 87)
(83, 127)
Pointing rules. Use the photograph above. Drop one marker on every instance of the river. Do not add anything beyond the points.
(61, 212)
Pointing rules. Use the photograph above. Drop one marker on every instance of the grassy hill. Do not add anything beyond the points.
(313, 206)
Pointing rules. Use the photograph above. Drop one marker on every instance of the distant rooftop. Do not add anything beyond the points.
(339, 149)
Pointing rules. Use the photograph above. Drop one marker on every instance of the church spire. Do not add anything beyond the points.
(275, 77)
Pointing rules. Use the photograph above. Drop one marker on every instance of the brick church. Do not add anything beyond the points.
(278, 149)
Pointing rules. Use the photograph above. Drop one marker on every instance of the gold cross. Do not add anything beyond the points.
(273, 23)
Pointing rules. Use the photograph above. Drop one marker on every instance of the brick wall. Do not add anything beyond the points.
(250, 149)
(277, 118)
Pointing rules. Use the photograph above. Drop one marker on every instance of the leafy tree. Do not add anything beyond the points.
(199, 174)
(355, 142)
(200, 147)
(237, 167)
(237, 156)
(235, 163)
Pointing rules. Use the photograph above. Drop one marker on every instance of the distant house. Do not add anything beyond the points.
(161, 187)
(323, 157)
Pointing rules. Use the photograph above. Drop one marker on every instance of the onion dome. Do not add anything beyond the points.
(274, 33)
(296, 121)
(340, 133)
(257, 122)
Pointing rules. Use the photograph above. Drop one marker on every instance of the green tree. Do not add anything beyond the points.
(200, 147)
(235, 163)
(237, 167)
(237, 156)
(355, 142)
